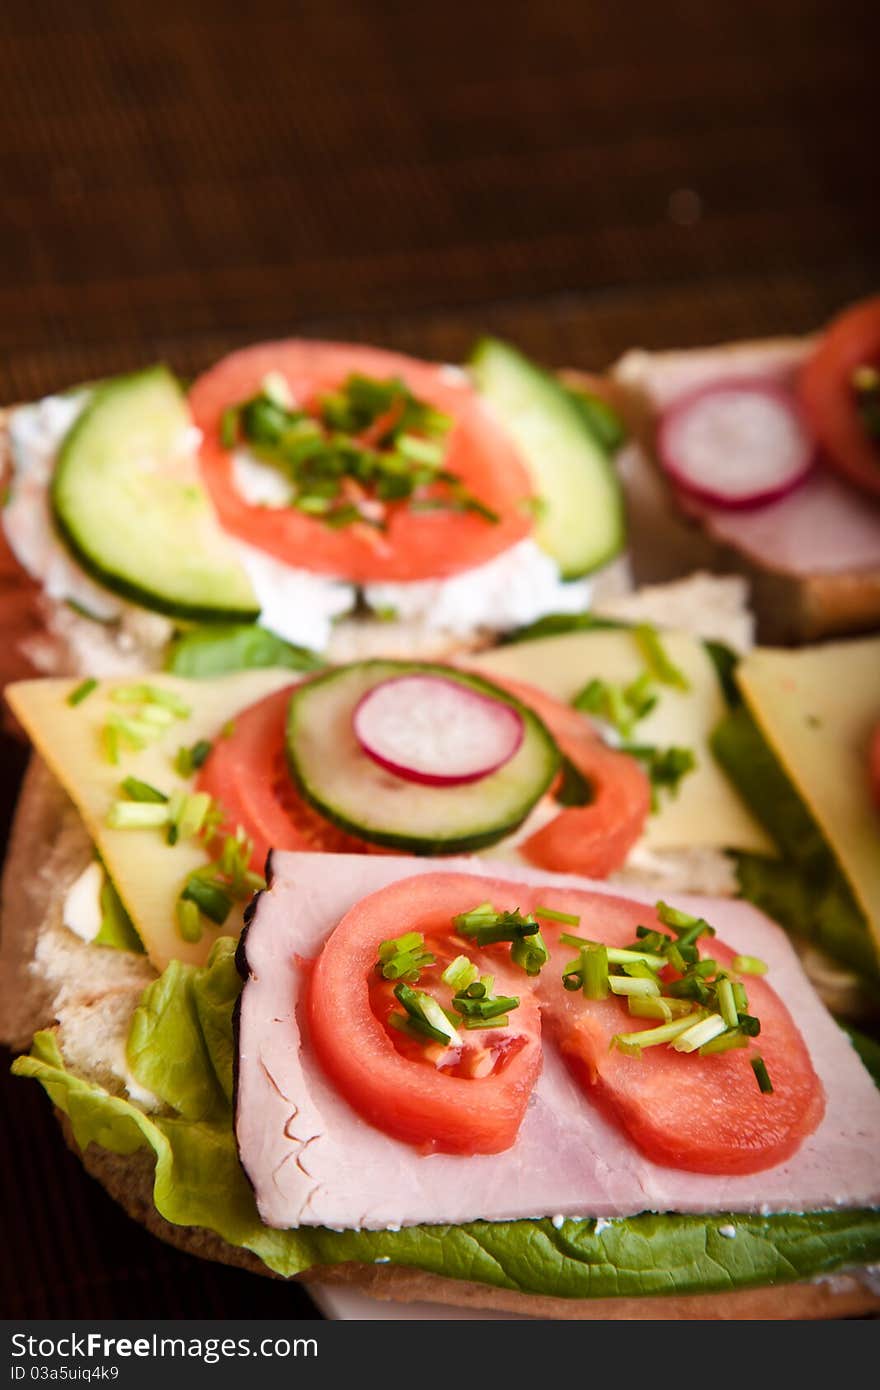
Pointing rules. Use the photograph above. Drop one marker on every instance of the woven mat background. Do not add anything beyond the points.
(176, 179)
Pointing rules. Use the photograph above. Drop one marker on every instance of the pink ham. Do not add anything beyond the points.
(313, 1161)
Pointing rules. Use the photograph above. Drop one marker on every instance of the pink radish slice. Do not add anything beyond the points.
(737, 443)
(434, 730)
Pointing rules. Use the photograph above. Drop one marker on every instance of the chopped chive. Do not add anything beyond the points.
(151, 695)
(110, 743)
(617, 955)
(653, 1037)
(189, 922)
(398, 944)
(136, 815)
(157, 715)
(568, 918)
(484, 1008)
(664, 669)
(188, 812)
(82, 691)
(748, 965)
(189, 760)
(654, 1006)
(427, 1013)
(210, 899)
(727, 1003)
(229, 427)
(460, 973)
(488, 927)
(762, 1075)
(741, 999)
(725, 1042)
(749, 1024)
(594, 971)
(500, 1022)
(698, 1034)
(530, 953)
(622, 984)
(136, 790)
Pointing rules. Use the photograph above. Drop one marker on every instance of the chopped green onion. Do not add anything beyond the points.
(400, 944)
(658, 659)
(567, 918)
(159, 716)
(593, 969)
(189, 760)
(488, 927)
(484, 1008)
(210, 899)
(426, 1014)
(530, 953)
(500, 1022)
(749, 1024)
(727, 1003)
(698, 1034)
(724, 1043)
(151, 695)
(189, 922)
(110, 743)
(748, 965)
(460, 973)
(136, 790)
(622, 984)
(653, 1037)
(188, 813)
(740, 997)
(652, 1006)
(762, 1075)
(82, 691)
(137, 815)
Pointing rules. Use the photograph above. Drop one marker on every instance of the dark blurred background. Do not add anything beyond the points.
(582, 177)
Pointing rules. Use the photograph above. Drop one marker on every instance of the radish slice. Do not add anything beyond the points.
(737, 443)
(435, 730)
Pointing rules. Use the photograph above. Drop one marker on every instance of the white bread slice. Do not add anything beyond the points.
(789, 606)
(91, 992)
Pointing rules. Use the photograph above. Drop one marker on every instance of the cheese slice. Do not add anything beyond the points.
(707, 812)
(147, 871)
(817, 708)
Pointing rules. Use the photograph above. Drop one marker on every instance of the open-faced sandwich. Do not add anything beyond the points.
(475, 1071)
(763, 457)
(307, 497)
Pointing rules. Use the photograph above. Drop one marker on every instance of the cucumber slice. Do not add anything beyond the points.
(334, 773)
(136, 518)
(582, 521)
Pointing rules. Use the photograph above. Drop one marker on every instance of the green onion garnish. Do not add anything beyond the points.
(404, 957)
(698, 1034)
(652, 1037)
(551, 915)
(727, 1003)
(460, 973)
(487, 926)
(762, 1075)
(137, 815)
(658, 659)
(210, 899)
(530, 953)
(189, 760)
(617, 955)
(136, 790)
(426, 1014)
(748, 965)
(82, 691)
(189, 922)
(151, 695)
(623, 984)
(724, 1043)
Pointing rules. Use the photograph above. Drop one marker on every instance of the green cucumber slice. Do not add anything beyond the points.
(129, 515)
(334, 773)
(581, 523)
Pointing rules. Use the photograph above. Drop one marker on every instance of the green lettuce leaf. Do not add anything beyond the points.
(805, 890)
(181, 1046)
(117, 928)
(202, 652)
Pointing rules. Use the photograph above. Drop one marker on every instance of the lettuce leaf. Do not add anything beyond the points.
(805, 890)
(181, 1048)
(203, 652)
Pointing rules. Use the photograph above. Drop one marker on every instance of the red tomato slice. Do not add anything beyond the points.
(874, 765)
(853, 340)
(594, 839)
(247, 774)
(407, 1096)
(416, 545)
(704, 1114)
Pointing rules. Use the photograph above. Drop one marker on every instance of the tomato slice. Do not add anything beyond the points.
(703, 1114)
(594, 839)
(448, 1109)
(852, 341)
(246, 773)
(415, 545)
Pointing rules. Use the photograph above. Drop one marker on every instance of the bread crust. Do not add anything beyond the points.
(799, 608)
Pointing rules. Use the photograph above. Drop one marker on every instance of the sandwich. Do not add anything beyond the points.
(307, 498)
(281, 1080)
(763, 458)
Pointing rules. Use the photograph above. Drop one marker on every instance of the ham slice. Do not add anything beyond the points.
(825, 526)
(314, 1162)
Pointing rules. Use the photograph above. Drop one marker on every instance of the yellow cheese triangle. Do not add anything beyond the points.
(148, 872)
(817, 708)
(707, 812)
